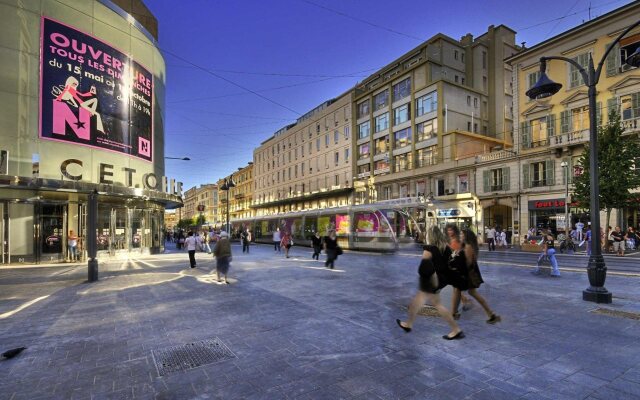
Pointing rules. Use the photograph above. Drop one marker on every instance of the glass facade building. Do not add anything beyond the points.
(82, 93)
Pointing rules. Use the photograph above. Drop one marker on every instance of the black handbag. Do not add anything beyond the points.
(338, 250)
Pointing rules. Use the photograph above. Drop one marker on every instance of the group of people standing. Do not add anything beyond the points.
(496, 237)
(450, 259)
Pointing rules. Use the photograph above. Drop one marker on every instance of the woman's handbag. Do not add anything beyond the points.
(339, 251)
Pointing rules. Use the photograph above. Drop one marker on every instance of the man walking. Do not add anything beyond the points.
(491, 238)
(192, 243)
(619, 239)
(276, 240)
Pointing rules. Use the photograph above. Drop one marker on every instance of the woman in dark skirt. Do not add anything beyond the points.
(433, 277)
(222, 252)
(469, 256)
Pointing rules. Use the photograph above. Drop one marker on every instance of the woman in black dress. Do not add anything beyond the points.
(469, 255)
(433, 277)
(331, 248)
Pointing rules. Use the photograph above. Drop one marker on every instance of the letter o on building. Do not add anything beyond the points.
(150, 181)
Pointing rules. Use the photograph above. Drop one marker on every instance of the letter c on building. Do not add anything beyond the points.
(66, 174)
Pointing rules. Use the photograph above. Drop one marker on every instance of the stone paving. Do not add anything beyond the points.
(298, 330)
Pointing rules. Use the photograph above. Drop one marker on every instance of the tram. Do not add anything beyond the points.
(383, 227)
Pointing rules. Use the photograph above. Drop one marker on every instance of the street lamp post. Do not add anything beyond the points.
(545, 87)
(567, 224)
(178, 158)
(226, 186)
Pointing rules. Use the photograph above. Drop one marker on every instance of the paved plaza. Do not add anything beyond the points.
(292, 329)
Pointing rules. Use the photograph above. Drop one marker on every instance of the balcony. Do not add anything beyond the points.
(239, 196)
(569, 138)
(631, 125)
(495, 156)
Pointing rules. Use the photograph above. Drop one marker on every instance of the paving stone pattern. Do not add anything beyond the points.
(300, 331)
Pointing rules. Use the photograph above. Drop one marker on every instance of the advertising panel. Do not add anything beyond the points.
(366, 224)
(342, 224)
(92, 94)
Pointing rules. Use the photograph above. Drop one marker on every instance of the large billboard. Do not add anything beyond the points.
(92, 94)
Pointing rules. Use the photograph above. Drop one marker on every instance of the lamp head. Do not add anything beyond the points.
(545, 87)
(634, 59)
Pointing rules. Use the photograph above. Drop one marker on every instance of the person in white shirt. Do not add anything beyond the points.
(276, 240)
(491, 238)
(192, 243)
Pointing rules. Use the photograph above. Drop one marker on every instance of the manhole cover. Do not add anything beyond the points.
(616, 313)
(190, 355)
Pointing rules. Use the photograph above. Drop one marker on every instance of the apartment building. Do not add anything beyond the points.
(421, 119)
(553, 131)
(240, 195)
(202, 200)
(307, 164)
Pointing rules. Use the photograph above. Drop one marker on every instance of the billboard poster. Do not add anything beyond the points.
(92, 94)
(342, 224)
(366, 224)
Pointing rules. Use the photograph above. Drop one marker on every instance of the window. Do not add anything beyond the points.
(336, 180)
(363, 151)
(533, 78)
(536, 133)
(346, 133)
(426, 103)
(326, 140)
(401, 114)
(484, 83)
(380, 100)
(475, 102)
(363, 109)
(336, 136)
(538, 174)
(575, 77)
(403, 162)
(336, 158)
(382, 122)
(402, 138)
(364, 169)
(381, 166)
(455, 54)
(630, 106)
(302, 169)
(381, 145)
(363, 130)
(463, 183)
(427, 130)
(318, 144)
(440, 187)
(402, 89)
(456, 78)
(426, 156)
(496, 179)
(462, 57)
(469, 101)
(346, 155)
(484, 60)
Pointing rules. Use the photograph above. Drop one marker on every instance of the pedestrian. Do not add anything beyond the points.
(276, 240)
(316, 242)
(246, 240)
(548, 251)
(206, 239)
(491, 238)
(433, 271)
(72, 245)
(503, 238)
(331, 248)
(587, 238)
(619, 239)
(181, 239)
(579, 227)
(286, 242)
(192, 243)
(453, 237)
(222, 252)
(474, 278)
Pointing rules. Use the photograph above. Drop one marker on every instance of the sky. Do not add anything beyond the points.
(239, 70)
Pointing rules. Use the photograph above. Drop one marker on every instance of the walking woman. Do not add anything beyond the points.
(222, 251)
(474, 278)
(331, 248)
(548, 251)
(286, 243)
(453, 236)
(316, 242)
(433, 277)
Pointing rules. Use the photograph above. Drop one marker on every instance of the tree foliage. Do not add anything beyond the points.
(200, 220)
(185, 223)
(617, 156)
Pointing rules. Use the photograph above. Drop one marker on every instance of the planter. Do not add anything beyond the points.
(534, 248)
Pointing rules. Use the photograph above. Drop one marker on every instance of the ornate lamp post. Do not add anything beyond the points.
(545, 87)
(226, 186)
(567, 222)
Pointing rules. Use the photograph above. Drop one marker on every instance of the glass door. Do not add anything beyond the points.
(52, 235)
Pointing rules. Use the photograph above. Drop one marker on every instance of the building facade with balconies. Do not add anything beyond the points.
(240, 196)
(420, 121)
(307, 165)
(554, 130)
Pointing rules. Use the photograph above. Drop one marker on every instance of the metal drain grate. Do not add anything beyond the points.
(190, 355)
(616, 313)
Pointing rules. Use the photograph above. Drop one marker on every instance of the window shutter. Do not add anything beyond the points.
(598, 114)
(551, 125)
(635, 104)
(486, 181)
(564, 121)
(613, 60)
(612, 104)
(506, 178)
(526, 178)
(524, 134)
(549, 166)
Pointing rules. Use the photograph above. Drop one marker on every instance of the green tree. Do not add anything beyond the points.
(200, 220)
(185, 223)
(617, 158)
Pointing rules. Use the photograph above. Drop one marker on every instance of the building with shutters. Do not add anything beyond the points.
(531, 186)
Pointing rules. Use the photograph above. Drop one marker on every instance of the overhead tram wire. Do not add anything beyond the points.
(352, 75)
(566, 16)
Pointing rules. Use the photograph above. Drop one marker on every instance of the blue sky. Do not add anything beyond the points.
(237, 71)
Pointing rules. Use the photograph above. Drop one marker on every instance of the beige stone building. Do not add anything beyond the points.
(308, 164)
(421, 119)
(554, 130)
(202, 200)
(240, 196)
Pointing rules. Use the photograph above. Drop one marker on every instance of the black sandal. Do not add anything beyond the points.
(406, 329)
(459, 335)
